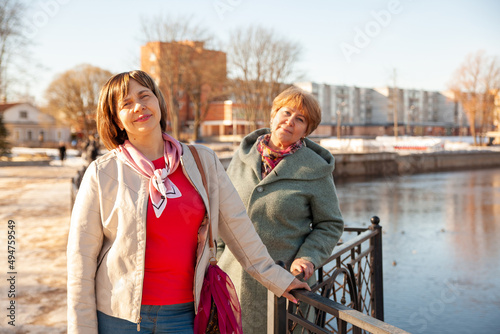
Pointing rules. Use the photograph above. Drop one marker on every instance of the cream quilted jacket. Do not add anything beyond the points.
(107, 238)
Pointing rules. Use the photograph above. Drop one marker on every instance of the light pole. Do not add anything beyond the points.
(229, 104)
(339, 118)
(408, 119)
(412, 118)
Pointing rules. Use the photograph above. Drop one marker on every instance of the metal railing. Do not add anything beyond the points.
(348, 296)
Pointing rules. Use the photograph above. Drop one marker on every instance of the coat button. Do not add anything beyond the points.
(260, 189)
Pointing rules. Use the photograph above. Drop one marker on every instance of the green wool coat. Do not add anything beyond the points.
(294, 209)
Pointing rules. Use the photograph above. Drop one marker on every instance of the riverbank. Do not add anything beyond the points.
(382, 164)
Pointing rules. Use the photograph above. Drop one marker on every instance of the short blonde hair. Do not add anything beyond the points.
(294, 97)
(107, 109)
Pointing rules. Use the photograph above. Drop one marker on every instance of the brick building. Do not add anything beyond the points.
(179, 66)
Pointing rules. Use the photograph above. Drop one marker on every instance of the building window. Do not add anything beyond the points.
(30, 135)
(23, 114)
(152, 69)
(152, 56)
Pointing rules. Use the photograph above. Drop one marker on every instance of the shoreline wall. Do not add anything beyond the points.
(390, 164)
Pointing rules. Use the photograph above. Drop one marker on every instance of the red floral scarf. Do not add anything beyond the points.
(270, 157)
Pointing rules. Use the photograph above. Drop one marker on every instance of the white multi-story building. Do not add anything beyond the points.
(366, 111)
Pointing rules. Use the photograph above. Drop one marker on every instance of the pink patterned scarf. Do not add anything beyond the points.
(160, 187)
(270, 157)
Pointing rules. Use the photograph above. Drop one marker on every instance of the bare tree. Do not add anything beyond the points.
(260, 62)
(13, 41)
(73, 96)
(170, 29)
(475, 84)
(182, 68)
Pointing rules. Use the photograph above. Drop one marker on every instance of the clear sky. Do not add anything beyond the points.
(344, 42)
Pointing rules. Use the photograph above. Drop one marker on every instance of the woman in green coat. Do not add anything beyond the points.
(285, 181)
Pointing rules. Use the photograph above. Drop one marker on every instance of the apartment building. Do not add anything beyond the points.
(357, 111)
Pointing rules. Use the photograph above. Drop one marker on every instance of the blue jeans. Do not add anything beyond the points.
(156, 319)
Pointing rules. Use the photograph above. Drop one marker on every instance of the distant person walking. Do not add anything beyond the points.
(91, 149)
(62, 152)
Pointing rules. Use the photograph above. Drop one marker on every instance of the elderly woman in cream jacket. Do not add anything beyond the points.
(285, 181)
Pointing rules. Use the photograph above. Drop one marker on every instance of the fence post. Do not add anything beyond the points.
(377, 277)
(276, 314)
(276, 311)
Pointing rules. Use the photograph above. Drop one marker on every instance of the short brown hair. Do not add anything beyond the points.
(294, 97)
(111, 94)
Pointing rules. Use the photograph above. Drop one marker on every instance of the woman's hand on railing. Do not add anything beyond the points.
(302, 266)
(296, 284)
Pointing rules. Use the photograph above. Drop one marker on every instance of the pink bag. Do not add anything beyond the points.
(218, 287)
(219, 310)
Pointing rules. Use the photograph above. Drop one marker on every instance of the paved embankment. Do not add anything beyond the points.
(37, 199)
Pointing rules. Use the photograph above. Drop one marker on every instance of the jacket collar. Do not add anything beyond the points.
(310, 162)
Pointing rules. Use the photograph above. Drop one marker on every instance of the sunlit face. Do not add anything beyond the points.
(287, 127)
(139, 112)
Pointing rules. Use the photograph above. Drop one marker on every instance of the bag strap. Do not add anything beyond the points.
(211, 245)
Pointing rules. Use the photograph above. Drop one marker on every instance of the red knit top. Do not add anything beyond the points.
(171, 242)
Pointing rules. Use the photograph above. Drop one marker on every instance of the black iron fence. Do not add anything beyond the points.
(348, 296)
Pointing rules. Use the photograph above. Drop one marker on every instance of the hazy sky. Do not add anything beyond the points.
(344, 42)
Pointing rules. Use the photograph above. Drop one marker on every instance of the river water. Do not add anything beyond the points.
(441, 246)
